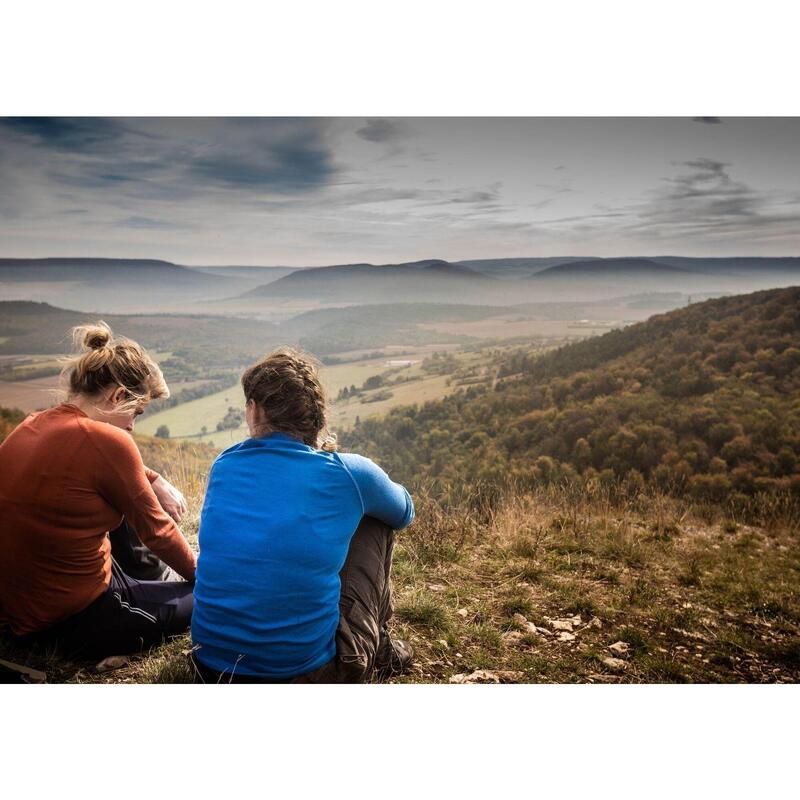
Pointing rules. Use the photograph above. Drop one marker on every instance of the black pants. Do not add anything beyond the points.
(131, 615)
(137, 560)
(365, 607)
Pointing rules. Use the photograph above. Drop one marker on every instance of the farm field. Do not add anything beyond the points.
(34, 394)
(29, 395)
(188, 419)
(343, 413)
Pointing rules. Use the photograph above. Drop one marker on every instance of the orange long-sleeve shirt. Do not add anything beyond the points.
(65, 481)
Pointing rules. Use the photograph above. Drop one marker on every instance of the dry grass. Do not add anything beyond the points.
(484, 582)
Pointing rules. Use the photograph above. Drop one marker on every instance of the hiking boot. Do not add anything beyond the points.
(394, 656)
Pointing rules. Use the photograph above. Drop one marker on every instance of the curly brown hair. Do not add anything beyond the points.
(285, 386)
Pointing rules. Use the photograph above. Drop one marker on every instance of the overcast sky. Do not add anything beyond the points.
(325, 191)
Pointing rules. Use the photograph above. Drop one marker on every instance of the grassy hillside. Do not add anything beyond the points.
(215, 341)
(623, 509)
(552, 586)
(704, 400)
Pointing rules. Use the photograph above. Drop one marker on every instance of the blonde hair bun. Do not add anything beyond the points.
(105, 361)
(93, 337)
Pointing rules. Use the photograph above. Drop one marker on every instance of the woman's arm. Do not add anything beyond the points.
(124, 484)
(382, 497)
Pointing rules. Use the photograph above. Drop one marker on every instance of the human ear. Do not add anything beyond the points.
(117, 396)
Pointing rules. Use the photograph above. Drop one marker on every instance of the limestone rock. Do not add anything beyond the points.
(487, 676)
(525, 624)
(111, 663)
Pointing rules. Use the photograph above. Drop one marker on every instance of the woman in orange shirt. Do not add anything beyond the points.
(68, 477)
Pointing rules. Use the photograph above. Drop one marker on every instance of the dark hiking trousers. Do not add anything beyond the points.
(131, 615)
(365, 607)
(135, 559)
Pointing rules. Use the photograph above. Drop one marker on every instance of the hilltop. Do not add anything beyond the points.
(430, 279)
(633, 267)
(116, 284)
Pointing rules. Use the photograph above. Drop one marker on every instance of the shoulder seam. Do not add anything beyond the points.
(355, 483)
(86, 431)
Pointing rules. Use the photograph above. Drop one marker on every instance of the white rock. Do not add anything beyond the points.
(617, 664)
(111, 663)
(525, 624)
(485, 676)
(561, 624)
(620, 648)
(566, 636)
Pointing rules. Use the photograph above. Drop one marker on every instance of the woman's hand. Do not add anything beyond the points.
(172, 501)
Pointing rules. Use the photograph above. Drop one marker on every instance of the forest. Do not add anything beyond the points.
(702, 400)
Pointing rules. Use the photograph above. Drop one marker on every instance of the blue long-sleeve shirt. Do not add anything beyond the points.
(275, 529)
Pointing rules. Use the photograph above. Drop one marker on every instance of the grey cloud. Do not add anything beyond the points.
(297, 161)
(555, 189)
(380, 130)
(147, 223)
(708, 190)
(253, 156)
(380, 195)
(707, 202)
(476, 197)
(78, 134)
(708, 120)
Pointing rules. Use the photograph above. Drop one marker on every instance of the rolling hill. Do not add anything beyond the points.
(608, 267)
(113, 284)
(511, 268)
(39, 328)
(746, 266)
(703, 399)
(418, 281)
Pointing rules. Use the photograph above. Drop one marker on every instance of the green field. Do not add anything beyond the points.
(343, 414)
(187, 419)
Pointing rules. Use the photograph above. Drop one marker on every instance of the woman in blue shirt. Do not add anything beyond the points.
(295, 545)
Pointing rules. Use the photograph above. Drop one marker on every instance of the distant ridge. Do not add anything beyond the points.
(360, 280)
(615, 266)
(744, 265)
(76, 269)
(87, 262)
(513, 268)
